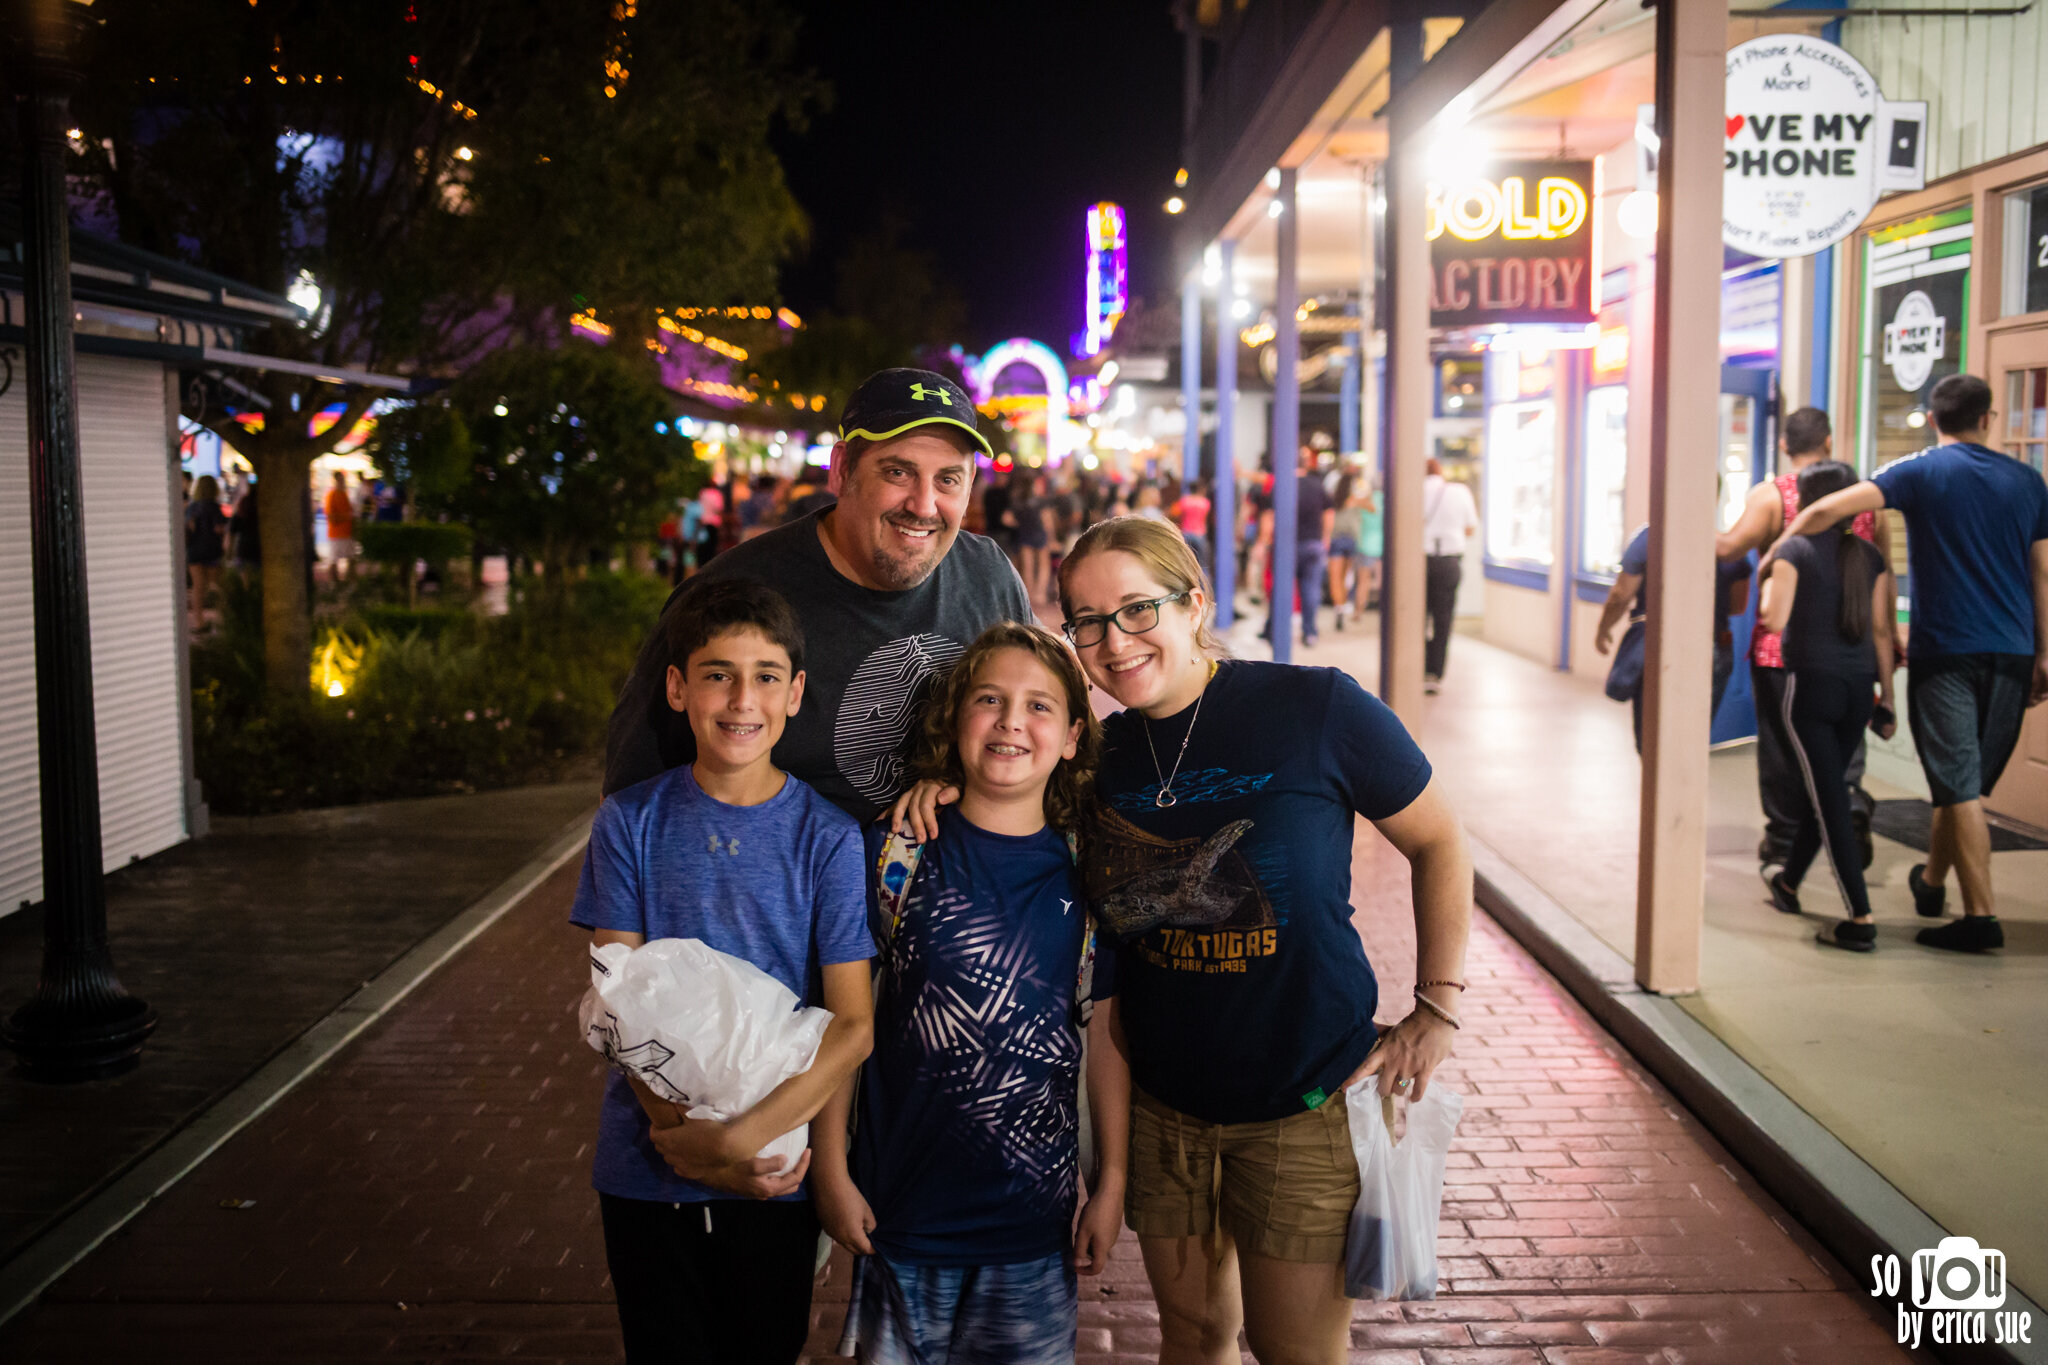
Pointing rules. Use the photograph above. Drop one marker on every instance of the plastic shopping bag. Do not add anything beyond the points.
(1390, 1250)
(703, 1029)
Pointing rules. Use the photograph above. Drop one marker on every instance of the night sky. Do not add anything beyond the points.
(990, 129)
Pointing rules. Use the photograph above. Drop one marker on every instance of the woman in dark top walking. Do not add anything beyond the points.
(1828, 592)
(205, 528)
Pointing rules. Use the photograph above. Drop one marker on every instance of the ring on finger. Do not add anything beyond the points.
(1404, 1083)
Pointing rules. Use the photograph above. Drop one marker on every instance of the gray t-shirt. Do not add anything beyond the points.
(868, 654)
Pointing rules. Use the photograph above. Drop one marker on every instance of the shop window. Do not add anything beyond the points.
(2026, 415)
(2025, 274)
(1604, 530)
(1915, 325)
(1521, 461)
(1461, 385)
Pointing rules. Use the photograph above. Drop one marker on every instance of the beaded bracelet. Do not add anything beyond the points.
(1455, 985)
(1438, 1010)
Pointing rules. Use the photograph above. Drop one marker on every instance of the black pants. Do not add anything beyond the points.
(1441, 593)
(1780, 786)
(1826, 713)
(727, 1281)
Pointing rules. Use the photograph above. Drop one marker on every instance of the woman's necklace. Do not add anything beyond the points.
(1166, 797)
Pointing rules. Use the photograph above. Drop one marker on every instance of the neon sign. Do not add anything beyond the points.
(1107, 288)
(1514, 247)
(1040, 357)
(1473, 210)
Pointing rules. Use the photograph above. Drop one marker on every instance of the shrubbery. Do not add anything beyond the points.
(431, 701)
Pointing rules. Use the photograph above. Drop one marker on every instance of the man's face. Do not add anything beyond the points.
(900, 505)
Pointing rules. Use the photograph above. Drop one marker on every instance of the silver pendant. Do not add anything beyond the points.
(1164, 799)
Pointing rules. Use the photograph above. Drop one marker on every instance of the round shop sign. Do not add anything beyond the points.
(1801, 147)
(1914, 339)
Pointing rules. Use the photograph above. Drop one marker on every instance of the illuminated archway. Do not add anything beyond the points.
(1040, 357)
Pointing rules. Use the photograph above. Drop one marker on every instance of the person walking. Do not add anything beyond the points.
(1191, 514)
(1449, 516)
(1807, 440)
(1315, 521)
(340, 511)
(1630, 595)
(1826, 594)
(1977, 537)
(1035, 531)
(887, 587)
(205, 546)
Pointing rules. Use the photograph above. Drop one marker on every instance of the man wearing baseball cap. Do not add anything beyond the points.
(887, 587)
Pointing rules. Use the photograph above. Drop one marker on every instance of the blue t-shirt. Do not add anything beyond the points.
(968, 1135)
(1636, 560)
(1972, 517)
(778, 884)
(1251, 999)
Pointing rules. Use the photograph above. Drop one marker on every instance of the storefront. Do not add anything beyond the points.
(1954, 279)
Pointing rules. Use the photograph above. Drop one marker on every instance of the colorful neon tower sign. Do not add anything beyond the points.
(1108, 288)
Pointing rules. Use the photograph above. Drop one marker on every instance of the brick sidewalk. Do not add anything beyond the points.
(426, 1198)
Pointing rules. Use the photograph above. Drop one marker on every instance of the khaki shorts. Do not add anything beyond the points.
(1285, 1188)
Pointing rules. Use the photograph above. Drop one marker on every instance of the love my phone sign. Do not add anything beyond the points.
(1809, 144)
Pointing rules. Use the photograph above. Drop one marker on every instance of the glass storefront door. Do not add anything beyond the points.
(1748, 448)
(2019, 378)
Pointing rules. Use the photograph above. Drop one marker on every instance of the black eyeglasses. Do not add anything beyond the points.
(1132, 618)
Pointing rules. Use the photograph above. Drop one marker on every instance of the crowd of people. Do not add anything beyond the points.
(223, 528)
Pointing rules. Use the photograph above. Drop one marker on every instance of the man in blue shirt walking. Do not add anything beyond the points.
(1977, 535)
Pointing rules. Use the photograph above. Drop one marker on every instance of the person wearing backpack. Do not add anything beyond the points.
(959, 1192)
(1828, 593)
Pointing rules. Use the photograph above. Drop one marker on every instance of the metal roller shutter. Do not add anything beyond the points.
(130, 567)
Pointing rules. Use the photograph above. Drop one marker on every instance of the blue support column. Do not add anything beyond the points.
(1286, 428)
(1191, 376)
(1347, 393)
(1225, 495)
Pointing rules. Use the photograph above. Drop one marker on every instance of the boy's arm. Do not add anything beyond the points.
(1109, 1110)
(1834, 508)
(848, 1039)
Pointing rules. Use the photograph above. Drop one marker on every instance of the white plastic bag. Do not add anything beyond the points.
(703, 1029)
(1390, 1250)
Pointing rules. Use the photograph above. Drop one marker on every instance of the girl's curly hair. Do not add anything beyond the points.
(1070, 791)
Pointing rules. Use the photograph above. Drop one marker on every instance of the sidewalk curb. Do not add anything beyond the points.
(1848, 1206)
(38, 1266)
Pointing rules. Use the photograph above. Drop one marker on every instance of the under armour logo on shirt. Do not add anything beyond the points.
(732, 846)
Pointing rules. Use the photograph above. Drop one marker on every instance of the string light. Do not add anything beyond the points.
(440, 96)
(589, 323)
(687, 333)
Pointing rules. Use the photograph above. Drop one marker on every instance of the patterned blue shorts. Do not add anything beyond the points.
(963, 1315)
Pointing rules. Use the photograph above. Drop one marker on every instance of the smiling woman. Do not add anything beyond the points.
(1219, 856)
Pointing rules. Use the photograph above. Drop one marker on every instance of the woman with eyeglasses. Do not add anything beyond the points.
(1219, 854)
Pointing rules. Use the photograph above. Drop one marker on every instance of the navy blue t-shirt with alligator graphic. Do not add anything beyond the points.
(1245, 991)
(967, 1141)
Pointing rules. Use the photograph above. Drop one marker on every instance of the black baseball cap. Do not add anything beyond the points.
(891, 402)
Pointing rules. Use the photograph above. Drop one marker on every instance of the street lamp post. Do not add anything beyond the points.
(80, 1023)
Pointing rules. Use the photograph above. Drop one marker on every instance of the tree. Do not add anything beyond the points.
(889, 302)
(450, 178)
(562, 450)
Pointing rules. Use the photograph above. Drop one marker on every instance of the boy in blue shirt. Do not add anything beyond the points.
(712, 1254)
(1977, 536)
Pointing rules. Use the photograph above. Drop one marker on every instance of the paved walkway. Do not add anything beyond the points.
(242, 941)
(426, 1198)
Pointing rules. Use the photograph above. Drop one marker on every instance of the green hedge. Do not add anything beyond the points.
(440, 701)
